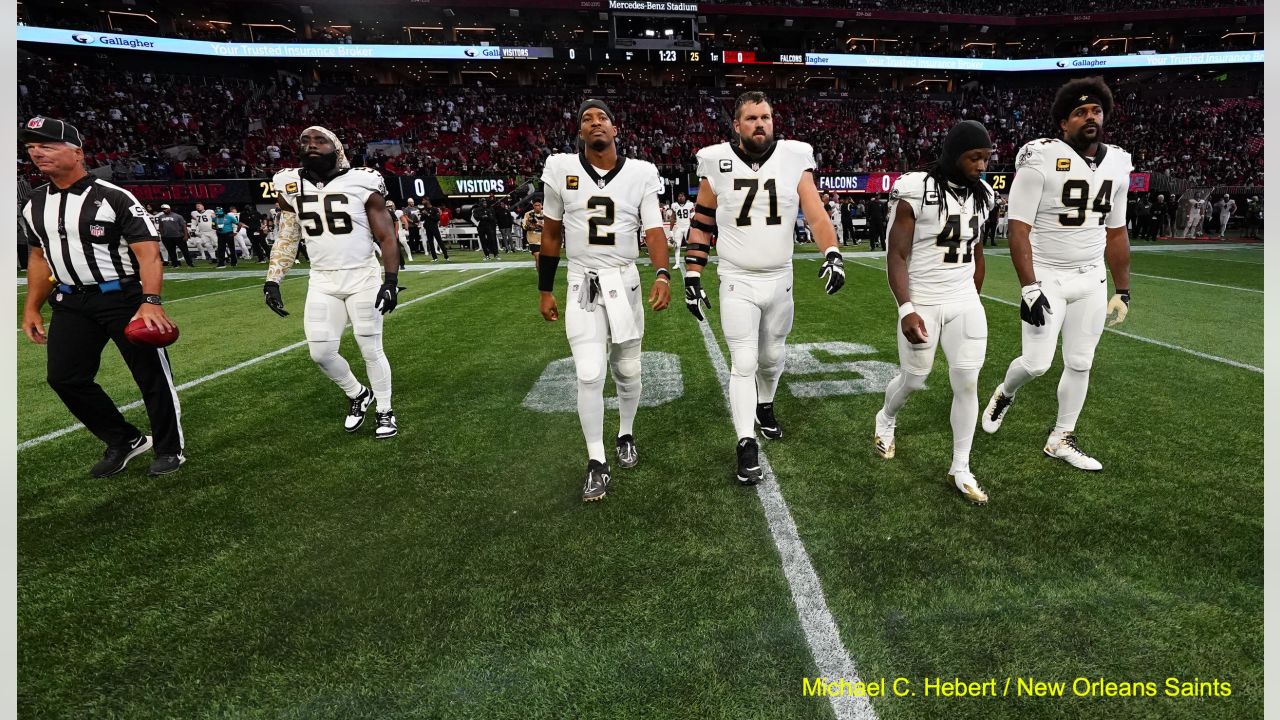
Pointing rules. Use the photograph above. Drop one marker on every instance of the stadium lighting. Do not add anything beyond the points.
(668, 32)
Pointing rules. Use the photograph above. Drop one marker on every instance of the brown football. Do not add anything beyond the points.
(139, 334)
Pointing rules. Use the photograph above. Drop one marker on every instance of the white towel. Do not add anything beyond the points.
(617, 303)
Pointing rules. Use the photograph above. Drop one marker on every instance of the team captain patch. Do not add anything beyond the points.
(1064, 164)
(291, 188)
(571, 182)
(726, 165)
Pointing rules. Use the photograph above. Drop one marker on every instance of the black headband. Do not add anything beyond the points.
(1086, 99)
(593, 103)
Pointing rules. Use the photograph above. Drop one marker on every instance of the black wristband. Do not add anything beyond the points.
(390, 278)
(699, 247)
(663, 272)
(151, 299)
(1122, 292)
(547, 266)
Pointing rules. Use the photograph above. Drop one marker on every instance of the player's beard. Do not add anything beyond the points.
(753, 147)
(599, 145)
(1081, 141)
(322, 164)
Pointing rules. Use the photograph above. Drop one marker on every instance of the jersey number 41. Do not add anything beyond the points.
(950, 239)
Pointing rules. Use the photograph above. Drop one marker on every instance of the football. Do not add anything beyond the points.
(139, 334)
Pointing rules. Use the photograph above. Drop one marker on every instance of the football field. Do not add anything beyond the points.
(291, 570)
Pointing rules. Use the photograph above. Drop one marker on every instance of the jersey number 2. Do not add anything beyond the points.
(949, 238)
(338, 222)
(752, 187)
(1075, 195)
(594, 236)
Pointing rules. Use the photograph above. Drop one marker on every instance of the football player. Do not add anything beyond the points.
(683, 208)
(532, 223)
(936, 270)
(1067, 207)
(202, 228)
(595, 203)
(341, 210)
(750, 193)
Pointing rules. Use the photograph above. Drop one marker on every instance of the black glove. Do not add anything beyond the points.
(1034, 305)
(833, 271)
(271, 293)
(694, 294)
(388, 294)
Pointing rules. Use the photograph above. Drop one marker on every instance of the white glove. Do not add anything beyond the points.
(1119, 304)
(589, 295)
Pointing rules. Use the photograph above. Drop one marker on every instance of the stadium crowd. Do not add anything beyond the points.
(155, 127)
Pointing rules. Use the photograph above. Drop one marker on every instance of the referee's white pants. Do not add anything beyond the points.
(333, 298)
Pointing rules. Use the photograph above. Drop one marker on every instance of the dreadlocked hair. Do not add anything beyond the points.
(946, 182)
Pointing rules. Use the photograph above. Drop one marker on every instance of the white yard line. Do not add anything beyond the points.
(1153, 341)
(819, 626)
(1197, 282)
(239, 366)
(1205, 256)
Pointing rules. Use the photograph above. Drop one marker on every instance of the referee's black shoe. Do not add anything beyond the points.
(165, 464)
(116, 458)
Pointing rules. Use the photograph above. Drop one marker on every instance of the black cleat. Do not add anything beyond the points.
(165, 464)
(116, 458)
(359, 408)
(749, 471)
(769, 426)
(597, 484)
(628, 456)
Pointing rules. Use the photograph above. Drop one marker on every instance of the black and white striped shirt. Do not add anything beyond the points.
(85, 230)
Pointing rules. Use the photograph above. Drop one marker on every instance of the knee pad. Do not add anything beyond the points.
(323, 351)
(964, 381)
(913, 381)
(1035, 369)
(589, 373)
(771, 355)
(745, 361)
(1078, 361)
(370, 346)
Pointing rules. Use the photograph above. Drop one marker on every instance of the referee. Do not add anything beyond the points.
(95, 249)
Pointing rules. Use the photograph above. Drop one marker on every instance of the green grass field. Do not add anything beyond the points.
(293, 571)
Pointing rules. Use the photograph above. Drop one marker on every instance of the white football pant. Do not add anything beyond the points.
(333, 298)
(1078, 299)
(756, 312)
(961, 329)
(590, 341)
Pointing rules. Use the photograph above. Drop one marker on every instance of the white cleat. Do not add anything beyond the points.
(885, 446)
(1063, 446)
(997, 408)
(968, 486)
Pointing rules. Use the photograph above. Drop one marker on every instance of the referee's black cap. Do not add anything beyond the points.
(40, 128)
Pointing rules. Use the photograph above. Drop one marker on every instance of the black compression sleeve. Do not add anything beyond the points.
(547, 265)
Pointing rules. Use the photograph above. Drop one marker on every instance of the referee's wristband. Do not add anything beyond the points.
(905, 309)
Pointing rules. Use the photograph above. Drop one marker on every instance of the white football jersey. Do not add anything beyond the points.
(202, 221)
(942, 259)
(756, 201)
(603, 213)
(1076, 201)
(332, 217)
(684, 213)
